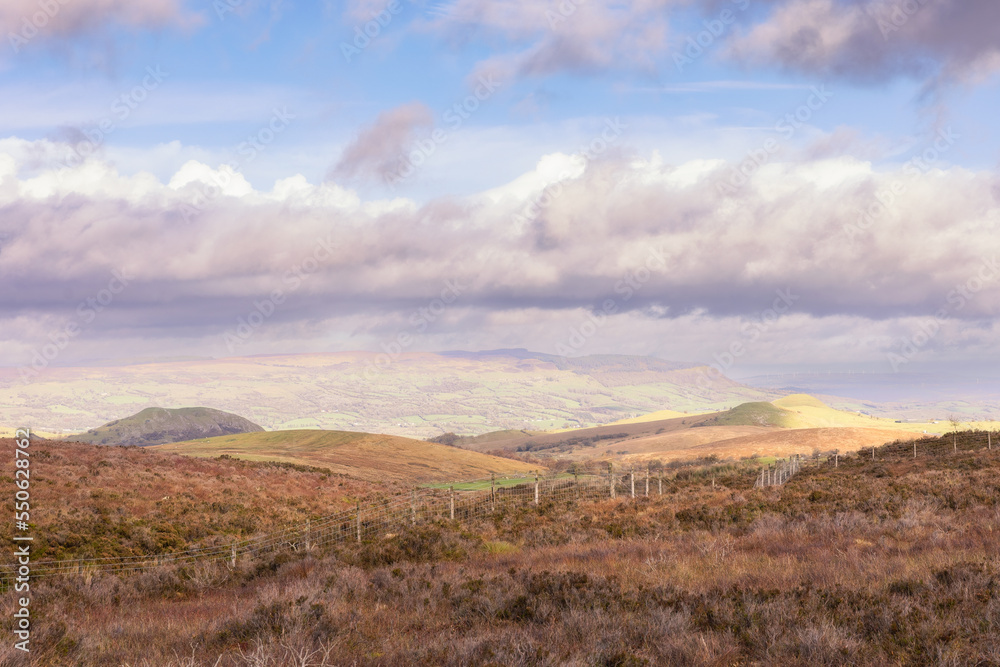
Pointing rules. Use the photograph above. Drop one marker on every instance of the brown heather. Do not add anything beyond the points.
(890, 562)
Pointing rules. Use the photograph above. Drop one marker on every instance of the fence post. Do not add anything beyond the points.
(659, 479)
(873, 452)
(914, 449)
(232, 557)
(631, 477)
(413, 507)
(576, 484)
(836, 459)
(493, 491)
(954, 440)
(452, 489)
(359, 522)
(989, 440)
(647, 481)
(308, 535)
(713, 480)
(536, 488)
(611, 477)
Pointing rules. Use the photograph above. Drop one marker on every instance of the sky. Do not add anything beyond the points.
(760, 185)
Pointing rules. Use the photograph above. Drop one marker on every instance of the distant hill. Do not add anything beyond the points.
(366, 456)
(155, 426)
(752, 414)
(412, 394)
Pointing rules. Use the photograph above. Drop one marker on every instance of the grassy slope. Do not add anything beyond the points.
(363, 455)
(794, 424)
(779, 443)
(659, 415)
(752, 414)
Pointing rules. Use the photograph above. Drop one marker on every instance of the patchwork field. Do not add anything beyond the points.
(418, 395)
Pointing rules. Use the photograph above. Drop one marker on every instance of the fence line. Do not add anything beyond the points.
(378, 517)
(387, 515)
(779, 473)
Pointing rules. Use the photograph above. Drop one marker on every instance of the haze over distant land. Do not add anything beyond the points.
(427, 394)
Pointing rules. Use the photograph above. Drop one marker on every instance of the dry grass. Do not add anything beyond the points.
(884, 563)
(94, 501)
(362, 455)
(777, 442)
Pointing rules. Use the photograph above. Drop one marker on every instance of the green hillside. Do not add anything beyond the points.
(155, 426)
(752, 414)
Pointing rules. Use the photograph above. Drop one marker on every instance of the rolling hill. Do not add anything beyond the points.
(155, 426)
(793, 424)
(365, 456)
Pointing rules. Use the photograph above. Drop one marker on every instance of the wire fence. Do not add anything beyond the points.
(931, 446)
(779, 473)
(466, 501)
(372, 519)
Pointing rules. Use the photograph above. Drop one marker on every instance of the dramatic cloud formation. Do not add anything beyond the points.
(826, 241)
(845, 233)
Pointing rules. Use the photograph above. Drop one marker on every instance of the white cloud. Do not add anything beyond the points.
(793, 225)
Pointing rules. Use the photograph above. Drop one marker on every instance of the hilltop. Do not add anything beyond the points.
(155, 426)
(366, 456)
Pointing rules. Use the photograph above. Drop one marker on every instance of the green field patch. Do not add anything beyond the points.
(125, 399)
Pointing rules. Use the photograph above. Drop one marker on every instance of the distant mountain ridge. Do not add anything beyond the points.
(158, 426)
